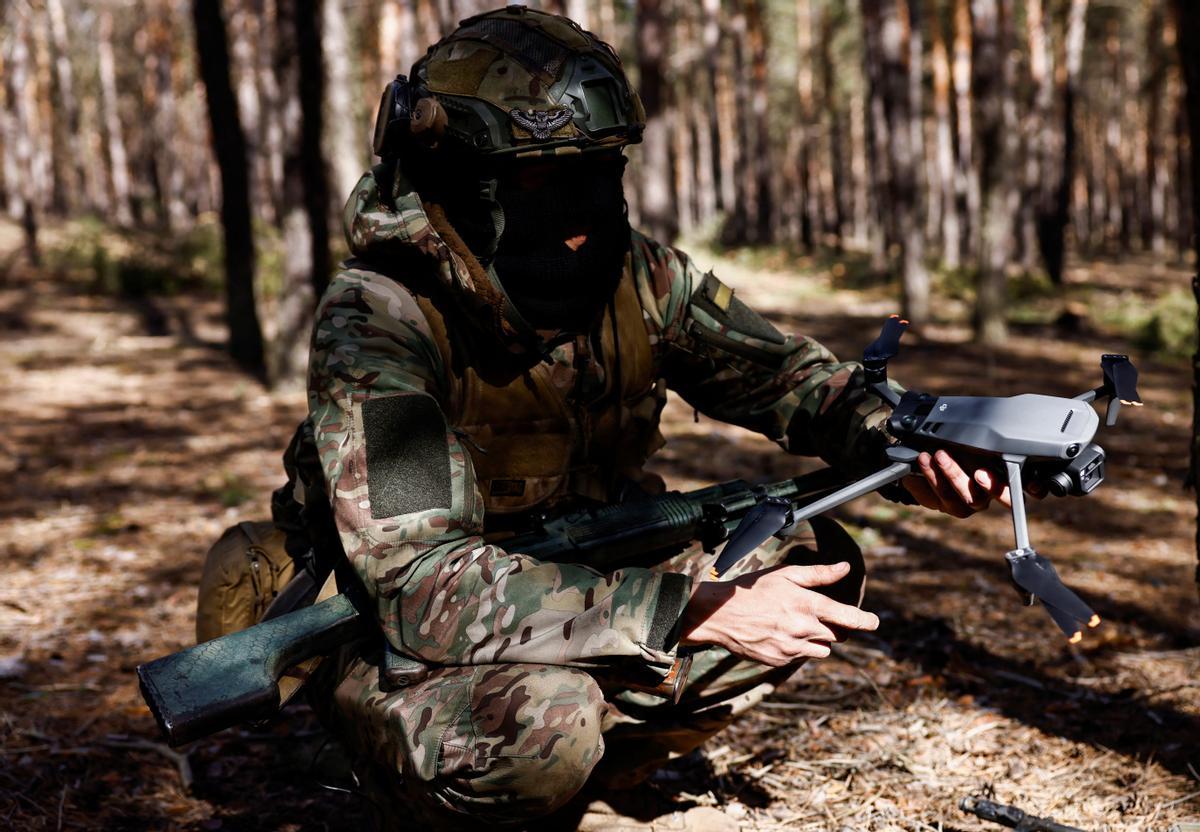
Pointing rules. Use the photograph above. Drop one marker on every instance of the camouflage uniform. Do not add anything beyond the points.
(434, 431)
(512, 720)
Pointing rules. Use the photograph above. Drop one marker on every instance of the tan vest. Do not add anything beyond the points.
(531, 445)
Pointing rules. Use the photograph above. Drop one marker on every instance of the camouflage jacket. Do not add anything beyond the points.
(407, 506)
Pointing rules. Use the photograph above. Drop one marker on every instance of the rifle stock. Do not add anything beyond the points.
(234, 678)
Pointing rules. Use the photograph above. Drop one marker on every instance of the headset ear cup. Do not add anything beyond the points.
(428, 120)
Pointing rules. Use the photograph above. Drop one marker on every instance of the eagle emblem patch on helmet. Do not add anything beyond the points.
(541, 124)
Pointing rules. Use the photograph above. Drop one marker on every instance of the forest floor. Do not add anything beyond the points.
(131, 442)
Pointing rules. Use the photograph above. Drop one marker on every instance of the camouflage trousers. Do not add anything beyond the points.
(504, 744)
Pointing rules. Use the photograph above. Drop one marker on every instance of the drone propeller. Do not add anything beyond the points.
(887, 344)
(1035, 576)
(1120, 385)
(760, 522)
(1120, 378)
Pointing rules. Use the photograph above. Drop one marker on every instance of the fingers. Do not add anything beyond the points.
(938, 473)
(844, 615)
(992, 484)
(821, 574)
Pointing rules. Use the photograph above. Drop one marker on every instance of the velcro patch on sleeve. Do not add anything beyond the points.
(719, 301)
(408, 457)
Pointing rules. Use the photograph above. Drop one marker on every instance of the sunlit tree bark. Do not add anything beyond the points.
(68, 104)
(656, 200)
(20, 126)
(346, 139)
(118, 160)
(951, 234)
(887, 52)
(995, 110)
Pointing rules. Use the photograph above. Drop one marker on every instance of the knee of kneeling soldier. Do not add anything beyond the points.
(537, 739)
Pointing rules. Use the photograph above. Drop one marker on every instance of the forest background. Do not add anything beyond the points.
(1018, 176)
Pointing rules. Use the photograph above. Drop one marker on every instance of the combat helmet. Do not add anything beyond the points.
(515, 82)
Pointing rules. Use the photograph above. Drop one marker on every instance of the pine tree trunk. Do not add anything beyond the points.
(297, 66)
(887, 42)
(762, 169)
(655, 198)
(863, 235)
(68, 103)
(1188, 16)
(805, 198)
(722, 66)
(1052, 225)
(835, 182)
(49, 153)
(993, 90)
(1039, 130)
(879, 139)
(169, 169)
(346, 145)
(398, 47)
(117, 158)
(20, 128)
(229, 144)
(950, 232)
(1114, 218)
(967, 184)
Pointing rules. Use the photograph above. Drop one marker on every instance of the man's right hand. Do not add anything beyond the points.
(773, 616)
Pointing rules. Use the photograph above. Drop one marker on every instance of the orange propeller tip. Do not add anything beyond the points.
(712, 573)
(1132, 404)
(904, 322)
(893, 315)
(1094, 621)
(1075, 639)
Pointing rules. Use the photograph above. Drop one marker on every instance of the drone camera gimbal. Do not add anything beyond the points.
(1050, 437)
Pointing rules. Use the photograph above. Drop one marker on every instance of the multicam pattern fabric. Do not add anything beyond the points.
(504, 743)
(442, 593)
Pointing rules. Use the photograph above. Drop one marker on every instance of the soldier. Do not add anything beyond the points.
(500, 347)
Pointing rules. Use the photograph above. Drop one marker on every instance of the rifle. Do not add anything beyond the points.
(235, 678)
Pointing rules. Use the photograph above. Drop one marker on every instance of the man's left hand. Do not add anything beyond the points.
(941, 483)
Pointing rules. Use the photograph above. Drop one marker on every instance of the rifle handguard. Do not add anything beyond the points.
(234, 679)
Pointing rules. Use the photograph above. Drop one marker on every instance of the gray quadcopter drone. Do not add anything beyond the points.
(1047, 437)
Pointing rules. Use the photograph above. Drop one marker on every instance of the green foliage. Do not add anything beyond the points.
(137, 264)
(229, 489)
(1168, 328)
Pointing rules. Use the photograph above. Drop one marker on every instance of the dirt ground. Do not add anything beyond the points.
(130, 442)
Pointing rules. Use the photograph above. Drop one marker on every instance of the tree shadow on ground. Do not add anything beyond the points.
(1121, 721)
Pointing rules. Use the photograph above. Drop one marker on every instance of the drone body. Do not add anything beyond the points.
(1029, 425)
(1051, 435)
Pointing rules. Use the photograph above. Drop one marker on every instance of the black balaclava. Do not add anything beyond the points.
(519, 225)
(552, 286)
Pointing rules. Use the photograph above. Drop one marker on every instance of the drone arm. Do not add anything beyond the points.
(903, 460)
(1114, 403)
(885, 392)
(1017, 496)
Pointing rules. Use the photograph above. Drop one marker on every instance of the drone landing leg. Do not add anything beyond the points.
(1017, 496)
(1034, 575)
